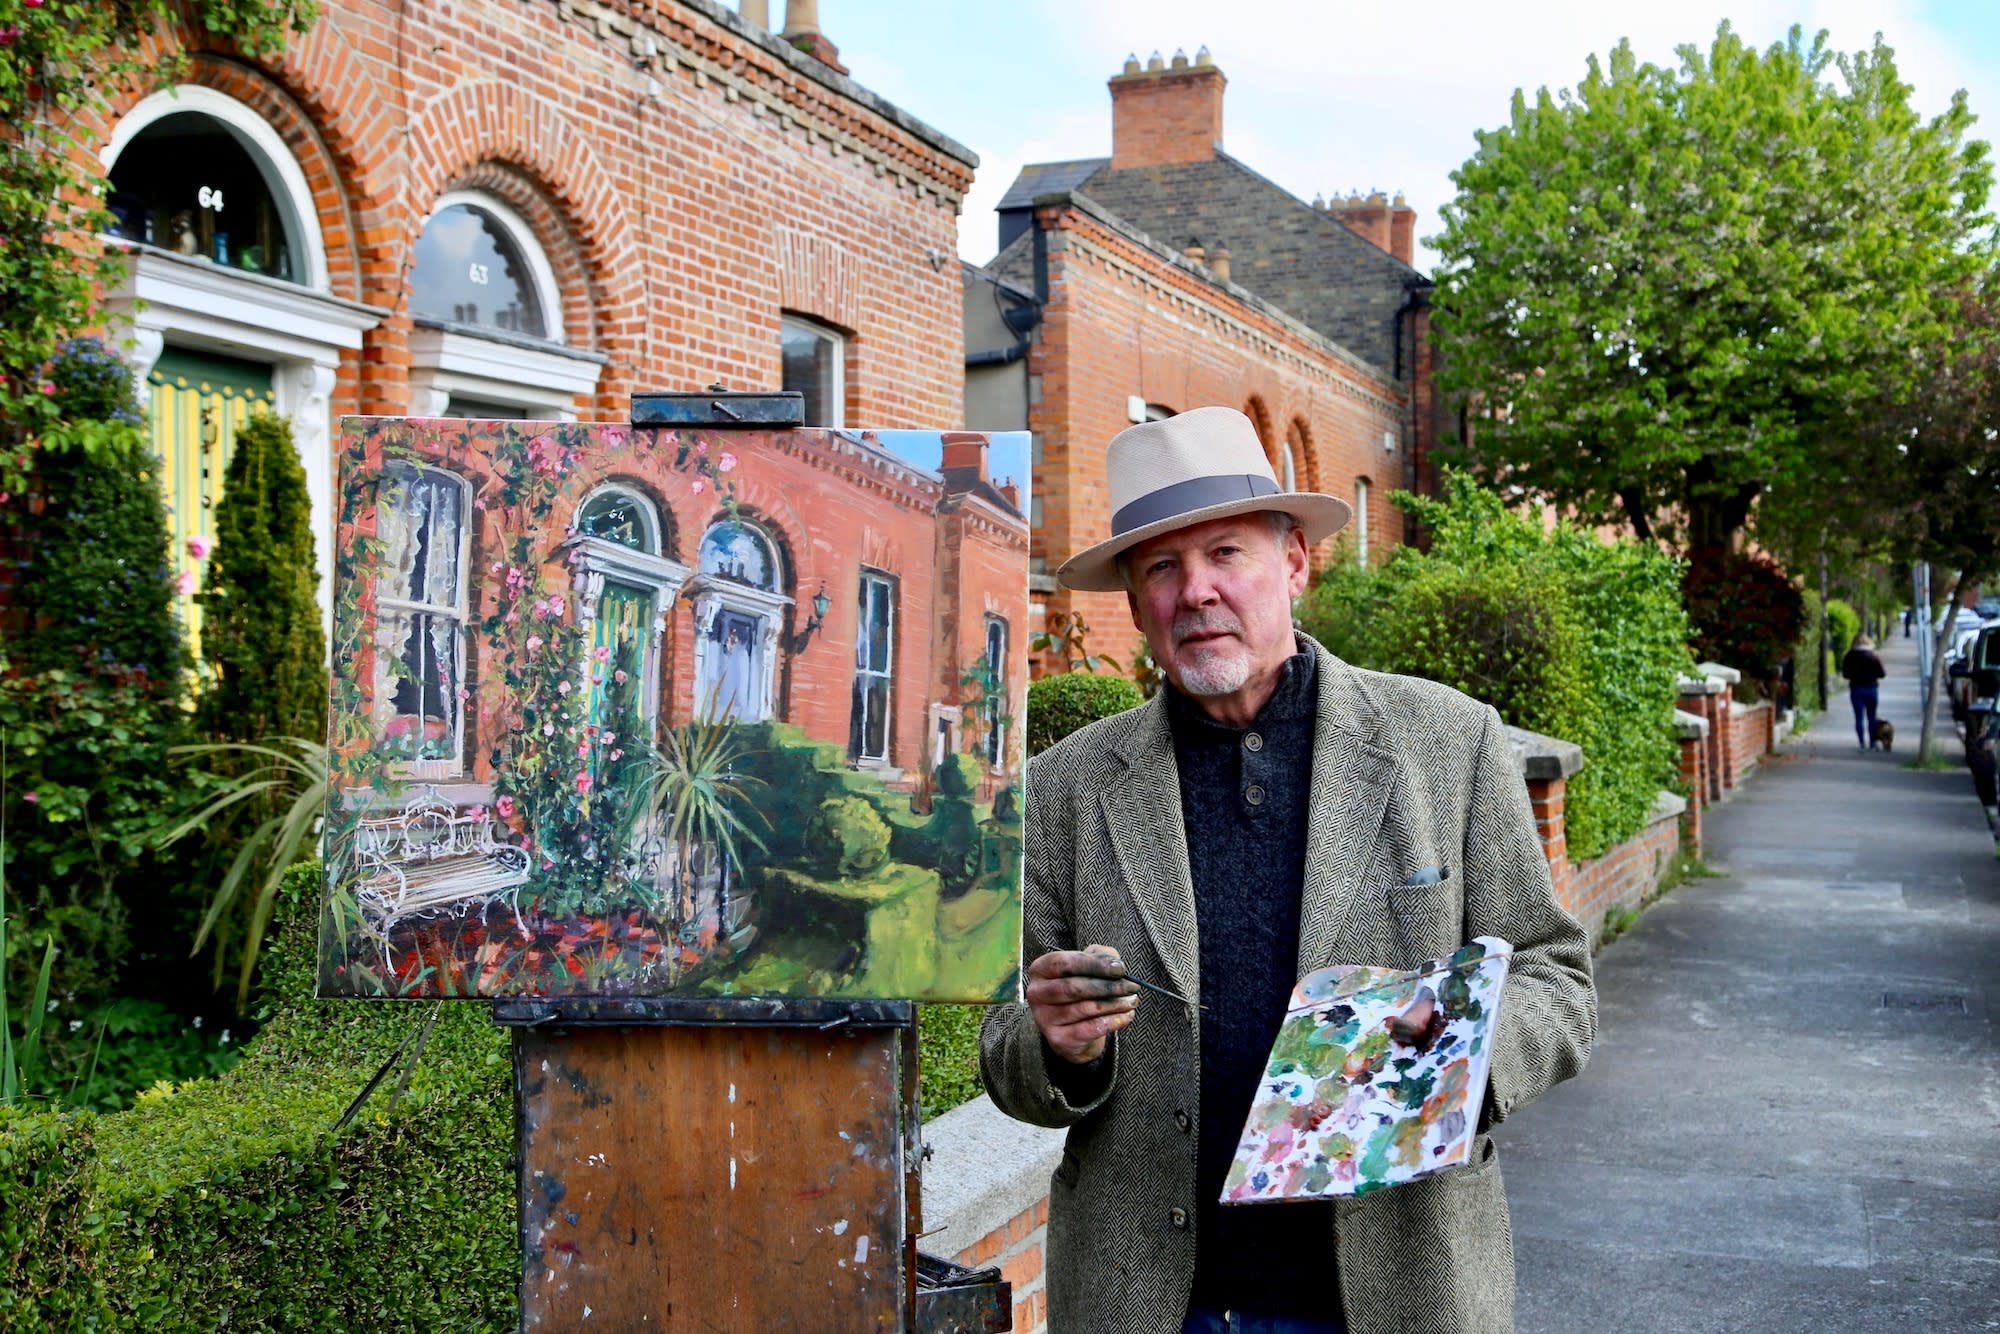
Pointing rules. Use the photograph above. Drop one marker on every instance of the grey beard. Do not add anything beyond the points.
(1217, 678)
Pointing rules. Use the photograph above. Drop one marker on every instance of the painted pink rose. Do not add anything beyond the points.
(619, 676)
(701, 448)
(617, 754)
(505, 806)
(562, 686)
(186, 583)
(583, 781)
(548, 729)
(200, 545)
(556, 605)
(727, 463)
(697, 486)
(534, 642)
(583, 750)
(602, 653)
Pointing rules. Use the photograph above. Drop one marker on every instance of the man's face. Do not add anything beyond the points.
(1215, 604)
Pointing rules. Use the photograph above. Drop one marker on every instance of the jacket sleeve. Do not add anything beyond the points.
(1548, 1011)
(1015, 1063)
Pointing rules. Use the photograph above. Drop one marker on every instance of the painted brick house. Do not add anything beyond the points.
(1171, 275)
(522, 208)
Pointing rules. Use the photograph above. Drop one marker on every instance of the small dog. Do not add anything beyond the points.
(1885, 735)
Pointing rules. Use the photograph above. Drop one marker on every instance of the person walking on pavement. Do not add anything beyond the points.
(1864, 672)
(1271, 812)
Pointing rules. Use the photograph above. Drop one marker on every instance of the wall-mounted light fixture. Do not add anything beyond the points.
(821, 604)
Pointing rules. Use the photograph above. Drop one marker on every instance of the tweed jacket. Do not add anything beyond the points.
(1407, 775)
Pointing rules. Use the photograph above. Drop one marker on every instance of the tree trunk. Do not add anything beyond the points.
(1715, 520)
(1635, 511)
(1937, 666)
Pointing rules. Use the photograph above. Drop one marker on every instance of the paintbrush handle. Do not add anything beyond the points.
(1159, 990)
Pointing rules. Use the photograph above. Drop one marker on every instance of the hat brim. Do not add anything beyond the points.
(1095, 569)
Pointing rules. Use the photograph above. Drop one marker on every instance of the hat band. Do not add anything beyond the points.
(1196, 493)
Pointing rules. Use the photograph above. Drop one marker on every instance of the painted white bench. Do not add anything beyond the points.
(429, 857)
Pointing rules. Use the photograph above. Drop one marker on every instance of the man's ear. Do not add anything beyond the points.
(1298, 562)
(1132, 605)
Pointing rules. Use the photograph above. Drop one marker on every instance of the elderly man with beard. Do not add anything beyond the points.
(1271, 812)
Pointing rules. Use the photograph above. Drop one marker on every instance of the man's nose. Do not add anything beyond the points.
(1197, 584)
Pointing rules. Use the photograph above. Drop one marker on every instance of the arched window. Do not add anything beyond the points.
(618, 516)
(489, 319)
(739, 607)
(623, 588)
(199, 186)
(477, 264)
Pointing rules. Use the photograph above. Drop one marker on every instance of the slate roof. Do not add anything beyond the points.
(1281, 248)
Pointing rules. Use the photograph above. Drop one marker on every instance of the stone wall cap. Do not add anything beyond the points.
(1702, 685)
(985, 1169)
(1666, 806)
(1544, 758)
(1719, 672)
(1689, 724)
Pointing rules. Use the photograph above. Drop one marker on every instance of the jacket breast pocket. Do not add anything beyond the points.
(1427, 913)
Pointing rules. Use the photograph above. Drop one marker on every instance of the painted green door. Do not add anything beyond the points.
(618, 640)
(198, 402)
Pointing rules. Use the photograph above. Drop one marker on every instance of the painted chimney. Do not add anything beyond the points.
(1163, 115)
(963, 449)
(755, 12)
(802, 32)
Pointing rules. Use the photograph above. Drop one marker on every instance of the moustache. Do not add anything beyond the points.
(1194, 623)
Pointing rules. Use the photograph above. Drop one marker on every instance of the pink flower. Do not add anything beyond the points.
(463, 693)
(476, 813)
(562, 686)
(31, 797)
(548, 729)
(495, 567)
(48, 387)
(514, 577)
(701, 448)
(556, 605)
(8, 34)
(617, 754)
(186, 583)
(619, 676)
(583, 750)
(534, 642)
(200, 545)
(5, 496)
(602, 653)
(610, 737)
(541, 606)
(698, 486)
(726, 463)
(583, 781)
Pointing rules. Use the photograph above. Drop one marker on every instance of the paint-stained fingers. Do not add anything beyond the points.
(1083, 1041)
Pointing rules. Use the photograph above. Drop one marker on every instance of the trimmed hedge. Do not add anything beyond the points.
(1058, 705)
(232, 1201)
(1562, 633)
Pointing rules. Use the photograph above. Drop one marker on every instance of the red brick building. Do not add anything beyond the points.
(1169, 276)
(522, 208)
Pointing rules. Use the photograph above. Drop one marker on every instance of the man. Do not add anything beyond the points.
(1271, 812)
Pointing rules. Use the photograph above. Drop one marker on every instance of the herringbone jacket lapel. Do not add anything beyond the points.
(1351, 782)
(1142, 810)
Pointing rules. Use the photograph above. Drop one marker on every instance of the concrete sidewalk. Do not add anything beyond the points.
(1792, 1117)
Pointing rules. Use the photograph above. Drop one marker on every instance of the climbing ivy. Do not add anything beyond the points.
(60, 62)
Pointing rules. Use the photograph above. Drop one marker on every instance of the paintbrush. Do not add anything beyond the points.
(1171, 995)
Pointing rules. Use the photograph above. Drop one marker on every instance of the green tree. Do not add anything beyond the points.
(1670, 288)
(261, 629)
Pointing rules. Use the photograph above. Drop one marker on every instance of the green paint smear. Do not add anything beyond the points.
(1413, 1091)
(1297, 1048)
(1319, 1176)
(1374, 1164)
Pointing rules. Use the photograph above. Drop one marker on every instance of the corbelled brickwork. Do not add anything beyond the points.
(690, 178)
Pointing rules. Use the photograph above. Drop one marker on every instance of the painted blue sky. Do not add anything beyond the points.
(1006, 454)
(1330, 95)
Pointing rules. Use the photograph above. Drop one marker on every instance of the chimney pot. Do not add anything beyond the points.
(1132, 65)
(1194, 251)
(1154, 64)
(1218, 263)
(1203, 59)
(801, 18)
(755, 12)
(1180, 60)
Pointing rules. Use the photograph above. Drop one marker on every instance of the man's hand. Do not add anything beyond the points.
(1079, 999)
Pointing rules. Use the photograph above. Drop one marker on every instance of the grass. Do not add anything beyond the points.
(1618, 920)
(1936, 764)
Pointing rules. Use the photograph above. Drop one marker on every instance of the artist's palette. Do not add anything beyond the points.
(1346, 1105)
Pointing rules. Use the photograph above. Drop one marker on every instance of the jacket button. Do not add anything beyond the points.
(1178, 1217)
(1184, 1121)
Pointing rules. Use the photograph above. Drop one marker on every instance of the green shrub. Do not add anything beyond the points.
(1563, 634)
(261, 630)
(1058, 705)
(1808, 671)
(848, 836)
(948, 1056)
(1843, 625)
(958, 776)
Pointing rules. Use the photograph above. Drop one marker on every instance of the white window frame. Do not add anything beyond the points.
(996, 739)
(887, 674)
(1361, 521)
(458, 611)
(837, 411)
(714, 594)
(544, 381)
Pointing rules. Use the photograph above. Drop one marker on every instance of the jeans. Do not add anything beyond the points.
(1863, 699)
(1234, 1322)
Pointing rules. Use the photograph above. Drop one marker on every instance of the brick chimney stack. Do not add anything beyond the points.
(1379, 221)
(964, 450)
(802, 31)
(1162, 115)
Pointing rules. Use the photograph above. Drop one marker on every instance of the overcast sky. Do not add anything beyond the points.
(1330, 96)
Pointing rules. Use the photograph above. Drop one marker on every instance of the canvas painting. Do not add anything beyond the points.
(1349, 1104)
(646, 711)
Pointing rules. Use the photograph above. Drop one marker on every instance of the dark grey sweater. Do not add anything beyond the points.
(1244, 799)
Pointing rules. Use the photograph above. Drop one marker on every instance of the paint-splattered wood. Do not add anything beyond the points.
(725, 1178)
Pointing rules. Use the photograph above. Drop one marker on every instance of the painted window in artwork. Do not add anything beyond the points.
(874, 661)
(620, 517)
(421, 523)
(814, 358)
(738, 551)
(1361, 521)
(994, 687)
(470, 269)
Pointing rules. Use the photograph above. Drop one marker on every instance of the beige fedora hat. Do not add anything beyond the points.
(1205, 464)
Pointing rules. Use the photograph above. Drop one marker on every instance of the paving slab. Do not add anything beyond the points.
(1792, 1117)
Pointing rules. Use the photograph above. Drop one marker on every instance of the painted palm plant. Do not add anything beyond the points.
(702, 801)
